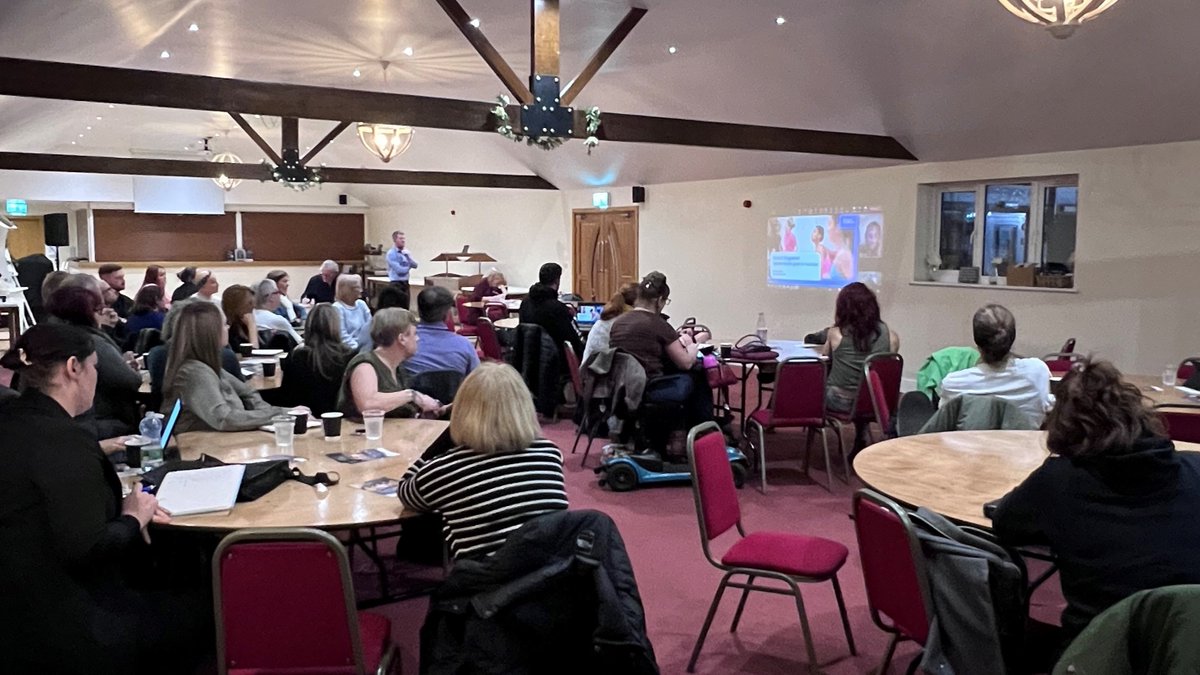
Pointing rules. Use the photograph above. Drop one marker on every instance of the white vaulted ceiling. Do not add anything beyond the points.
(950, 79)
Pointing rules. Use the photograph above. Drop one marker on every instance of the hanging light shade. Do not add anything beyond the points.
(1060, 17)
(225, 182)
(385, 141)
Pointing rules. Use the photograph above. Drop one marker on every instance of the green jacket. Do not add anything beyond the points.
(1152, 631)
(941, 363)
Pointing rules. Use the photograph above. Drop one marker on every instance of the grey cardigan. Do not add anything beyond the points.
(215, 402)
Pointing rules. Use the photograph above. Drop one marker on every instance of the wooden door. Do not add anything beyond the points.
(605, 243)
(27, 239)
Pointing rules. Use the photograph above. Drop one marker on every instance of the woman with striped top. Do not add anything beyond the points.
(500, 475)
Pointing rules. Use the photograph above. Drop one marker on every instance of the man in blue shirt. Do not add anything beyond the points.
(444, 358)
(399, 263)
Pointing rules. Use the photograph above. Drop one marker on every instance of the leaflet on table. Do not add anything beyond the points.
(388, 487)
(360, 456)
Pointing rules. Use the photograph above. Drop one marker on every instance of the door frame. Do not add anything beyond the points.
(634, 210)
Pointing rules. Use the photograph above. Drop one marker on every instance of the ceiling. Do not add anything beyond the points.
(950, 79)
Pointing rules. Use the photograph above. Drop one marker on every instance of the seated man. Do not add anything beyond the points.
(543, 308)
(320, 286)
(442, 350)
(1023, 382)
(114, 275)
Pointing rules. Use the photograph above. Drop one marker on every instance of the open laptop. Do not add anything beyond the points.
(588, 314)
(169, 425)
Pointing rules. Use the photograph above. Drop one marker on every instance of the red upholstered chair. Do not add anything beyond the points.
(464, 317)
(798, 403)
(285, 604)
(791, 559)
(889, 369)
(893, 570)
(1061, 362)
(1068, 346)
(1187, 368)
(1182, 421)
(450, 323)
(489, 344)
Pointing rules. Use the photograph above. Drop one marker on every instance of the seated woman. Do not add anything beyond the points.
(376, 380)
(213, 400)
(187, 287)
(598, 337)
(492, 284)
(500, 475)
(237, 302)
(149, 310)
(157, 275)
(294, 311)
(278, 330)
(857, 333)
(313, 374)
(1115, 502)
(673, 375)
(117, 381)
(354, 313)
(66, 535)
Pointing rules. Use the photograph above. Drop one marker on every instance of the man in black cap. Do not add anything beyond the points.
(543, 308)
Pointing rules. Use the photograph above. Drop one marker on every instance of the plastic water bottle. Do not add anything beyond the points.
(151, 428)
(761, 327)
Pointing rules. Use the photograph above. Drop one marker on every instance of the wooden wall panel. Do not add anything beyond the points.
(131, 237)
(303, 236)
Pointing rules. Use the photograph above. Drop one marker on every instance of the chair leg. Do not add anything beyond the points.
(828, 465)
(887, 655)
(807, 449)
(808, 639)
(712, 610)
(846, 464)
(737, 616)
(912, 666)
(837, 592)
(762, 458)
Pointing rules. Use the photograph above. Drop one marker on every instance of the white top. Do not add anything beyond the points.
(272, 321)
(1023, 382)
(286, 303)
(597, 338)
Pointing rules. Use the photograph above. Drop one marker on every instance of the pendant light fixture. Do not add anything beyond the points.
(225, 182)
(385, 141)
(1060, 17)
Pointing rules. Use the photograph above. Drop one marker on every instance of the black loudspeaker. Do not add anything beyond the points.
(639, 194)
(56, 229)
(343, 200)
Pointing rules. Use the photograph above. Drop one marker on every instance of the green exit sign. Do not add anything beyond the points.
(16, 207)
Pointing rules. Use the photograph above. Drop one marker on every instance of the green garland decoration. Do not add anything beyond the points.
(505, 128)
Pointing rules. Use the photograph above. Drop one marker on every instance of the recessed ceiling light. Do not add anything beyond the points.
(89, 128)
(779, 21)
(98, 118)
(357, 73)
(408, 51)
(110, 105)
(193, 28)
(165, 54)
(671, 49)
(474, 23)
(74, 143)
(81, 135)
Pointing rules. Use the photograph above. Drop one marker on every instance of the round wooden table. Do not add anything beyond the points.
(256, 382)
(1153, 389)
(957, 472)
(294, 504)
(510, 322)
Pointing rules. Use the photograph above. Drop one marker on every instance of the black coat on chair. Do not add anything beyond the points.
(536, 357)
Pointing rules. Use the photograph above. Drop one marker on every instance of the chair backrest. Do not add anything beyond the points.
(717, 507)
(284, 601)
(573, 368)
(440, 384)
(485, 332)
(1068, 346)
(799, 393)
(893, 566)
(1061, 362)
(1187, 368)
(464, 312)
(888, 369)
(1182, 422)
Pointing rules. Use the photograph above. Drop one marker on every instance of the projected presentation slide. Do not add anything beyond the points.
(823, 251)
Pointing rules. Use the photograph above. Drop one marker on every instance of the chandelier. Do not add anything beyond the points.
(225, 182)
(1060, 17)
(385, 141)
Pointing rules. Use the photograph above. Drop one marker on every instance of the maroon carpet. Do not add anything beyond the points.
(660, 532)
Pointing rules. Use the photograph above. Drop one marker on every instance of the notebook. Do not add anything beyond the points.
(207, 490)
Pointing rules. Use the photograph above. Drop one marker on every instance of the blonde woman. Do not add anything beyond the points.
(355, 315)
(376, 379)
(213, 400)
(500, 475)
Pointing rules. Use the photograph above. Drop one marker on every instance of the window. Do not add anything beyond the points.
(1021, 221)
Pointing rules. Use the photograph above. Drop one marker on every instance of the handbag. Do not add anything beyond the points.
(259, 478)
(718, 373)
(750, 348)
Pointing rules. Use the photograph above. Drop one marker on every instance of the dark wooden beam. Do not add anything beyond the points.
(490, 56)
(337, 131)
(258, 139)
(21, 161)
(544, 38)
(610, 44)
(289, 134)
(73, 82)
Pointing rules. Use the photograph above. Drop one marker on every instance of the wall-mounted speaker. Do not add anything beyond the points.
(57, 233)
(639, 194)
(343, 200)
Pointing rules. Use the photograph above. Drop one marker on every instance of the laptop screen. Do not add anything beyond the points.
(588, 314)
(169, 425)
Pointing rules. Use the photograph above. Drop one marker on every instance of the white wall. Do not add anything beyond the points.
(1137, 254)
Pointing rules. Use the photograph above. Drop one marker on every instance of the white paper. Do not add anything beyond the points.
(205, 490)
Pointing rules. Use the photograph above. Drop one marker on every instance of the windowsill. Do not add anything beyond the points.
(998, 287)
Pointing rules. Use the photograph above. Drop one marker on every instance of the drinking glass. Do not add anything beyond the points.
(285, 429)
(373, 419)
(1169, 375)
